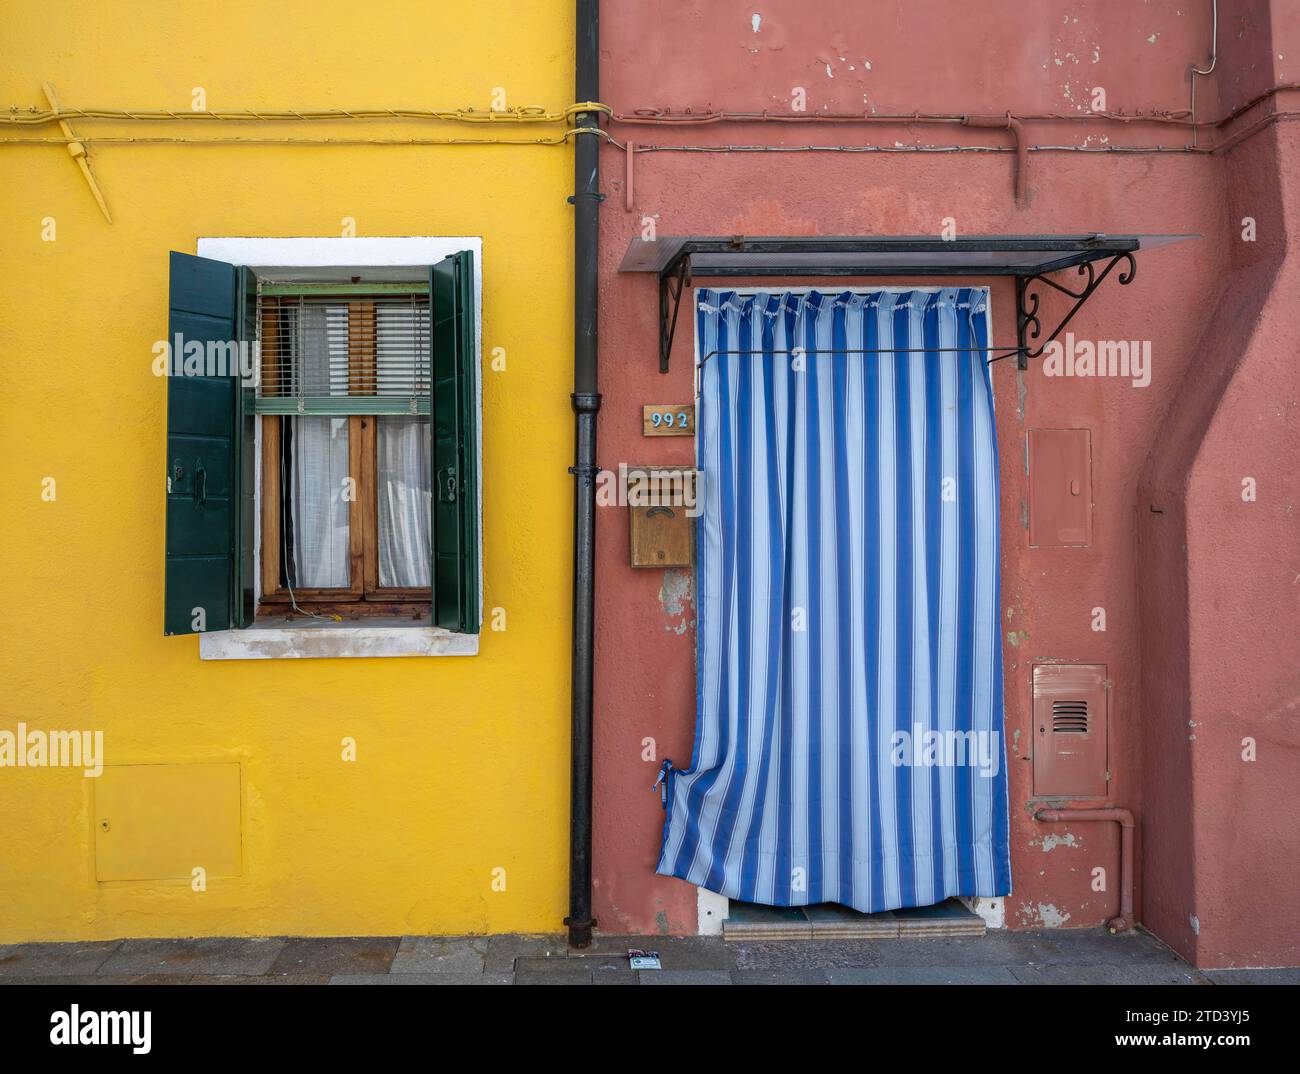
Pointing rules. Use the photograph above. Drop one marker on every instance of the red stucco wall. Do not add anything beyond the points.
(1172, 615)
(1219, 661)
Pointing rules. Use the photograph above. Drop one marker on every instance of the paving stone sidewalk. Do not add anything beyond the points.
(1056, 957)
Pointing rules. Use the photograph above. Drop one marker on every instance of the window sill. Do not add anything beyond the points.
(277, 641)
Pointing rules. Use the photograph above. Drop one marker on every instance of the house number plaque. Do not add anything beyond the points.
(668, 419)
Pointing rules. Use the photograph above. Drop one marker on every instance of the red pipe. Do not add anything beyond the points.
(1181, 118)
(1017, 129)
(628, 192)
(1124, 818)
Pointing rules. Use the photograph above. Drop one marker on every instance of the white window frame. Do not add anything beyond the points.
(318, 639)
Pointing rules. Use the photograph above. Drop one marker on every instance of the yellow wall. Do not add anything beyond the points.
(462, 762)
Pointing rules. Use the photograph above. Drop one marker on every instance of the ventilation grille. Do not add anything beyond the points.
(1071, 706)
(365, 354)
(1070, 717)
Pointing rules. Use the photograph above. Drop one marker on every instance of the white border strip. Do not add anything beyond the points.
(306, 642)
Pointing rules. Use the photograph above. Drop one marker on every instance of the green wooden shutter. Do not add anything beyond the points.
(209, 545)
(246, 431)
(454, 410)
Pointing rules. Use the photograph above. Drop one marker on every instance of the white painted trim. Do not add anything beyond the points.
(991, 909)
(326, 252)
(305, 642)
(711, 910)
(331, 640)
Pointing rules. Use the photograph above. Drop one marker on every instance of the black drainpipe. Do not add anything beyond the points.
(586, 403)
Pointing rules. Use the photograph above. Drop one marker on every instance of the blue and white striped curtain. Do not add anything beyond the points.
(848, 743)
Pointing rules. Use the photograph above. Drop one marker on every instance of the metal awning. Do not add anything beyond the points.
(1028, 258)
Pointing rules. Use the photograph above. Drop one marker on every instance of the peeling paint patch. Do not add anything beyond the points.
(1050, 916)
(675, 593)
(1044, 914)
(1051, 841)
(1195, 922)
(756, 22)
(675, 600)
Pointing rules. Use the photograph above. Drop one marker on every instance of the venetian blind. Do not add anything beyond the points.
(332, 353)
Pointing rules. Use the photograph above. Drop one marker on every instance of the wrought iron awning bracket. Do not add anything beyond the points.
(674, 280)
(1028, 324)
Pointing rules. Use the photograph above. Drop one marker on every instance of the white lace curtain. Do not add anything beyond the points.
(318, 448)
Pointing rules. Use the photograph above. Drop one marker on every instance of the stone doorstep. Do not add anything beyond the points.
(749, 921)
(830, 921)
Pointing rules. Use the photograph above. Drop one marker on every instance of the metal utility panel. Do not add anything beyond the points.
(1060, 488)
(1070, 731)
(162, 821)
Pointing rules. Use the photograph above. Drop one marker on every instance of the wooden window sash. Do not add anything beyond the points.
(271, 507)
(347, 609)
(363, 595)
(363, 376)
(369, 495)
(356, 550)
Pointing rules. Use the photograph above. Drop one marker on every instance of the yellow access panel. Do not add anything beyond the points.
(162, 821)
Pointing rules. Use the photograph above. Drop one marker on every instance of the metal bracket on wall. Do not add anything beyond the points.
(672, 282)
(78, 153)
(1031, 260)
(1028, 324)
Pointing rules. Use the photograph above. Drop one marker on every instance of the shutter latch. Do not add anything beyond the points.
(447, 485)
